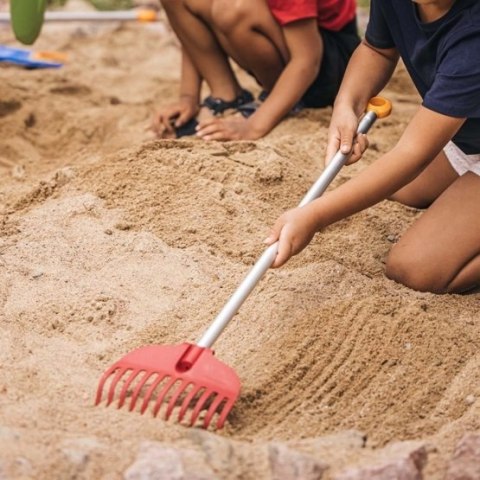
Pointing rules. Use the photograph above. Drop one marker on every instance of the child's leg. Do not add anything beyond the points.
(252, 37)
(338, 47)
(422, 192)
(203, 48)
(441, 251)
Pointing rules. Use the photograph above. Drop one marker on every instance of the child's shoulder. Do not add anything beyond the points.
(464, 31)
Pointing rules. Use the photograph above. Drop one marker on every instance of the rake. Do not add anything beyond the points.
(187, 377)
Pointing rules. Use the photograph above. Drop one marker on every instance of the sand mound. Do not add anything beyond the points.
(111, 240)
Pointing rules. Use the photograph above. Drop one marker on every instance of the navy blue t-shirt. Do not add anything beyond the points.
(442, 57)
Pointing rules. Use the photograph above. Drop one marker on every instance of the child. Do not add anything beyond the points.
(436, 162)
(296, 50)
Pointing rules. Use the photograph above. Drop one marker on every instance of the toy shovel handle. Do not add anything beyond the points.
(27, 19)
(94, 16)
(378, 107)
(19, 17)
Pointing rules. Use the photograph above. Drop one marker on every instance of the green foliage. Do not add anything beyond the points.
(99, 4)
(112, 4)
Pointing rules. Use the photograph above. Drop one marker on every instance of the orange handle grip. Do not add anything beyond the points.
(54, 56)
(147, 16)
(380, 106)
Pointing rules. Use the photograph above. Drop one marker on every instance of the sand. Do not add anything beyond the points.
(112, 240)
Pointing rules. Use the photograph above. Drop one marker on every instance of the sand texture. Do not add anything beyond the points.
(111, 240)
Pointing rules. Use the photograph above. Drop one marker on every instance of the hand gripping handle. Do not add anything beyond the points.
(378, 107)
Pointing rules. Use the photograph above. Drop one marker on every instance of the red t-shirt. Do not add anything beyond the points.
(330, 14)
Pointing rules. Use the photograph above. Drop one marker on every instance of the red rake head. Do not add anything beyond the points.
(186, 377)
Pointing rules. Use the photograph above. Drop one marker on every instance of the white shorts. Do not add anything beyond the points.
(461, 162)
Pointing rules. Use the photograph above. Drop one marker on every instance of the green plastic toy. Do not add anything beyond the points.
(27, 19)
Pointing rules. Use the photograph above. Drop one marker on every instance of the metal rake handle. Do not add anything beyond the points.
(377, 108)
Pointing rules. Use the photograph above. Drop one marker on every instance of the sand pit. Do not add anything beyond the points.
(111, 240)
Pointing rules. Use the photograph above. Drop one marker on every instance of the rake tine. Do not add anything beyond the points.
(137, 390)
(123, 393)
(113, 385)
(186, 403)
(224, 413)
(162, 395)
(173, 400)
(101, 384)
(198, 407)
(211, 411)
(150, 391)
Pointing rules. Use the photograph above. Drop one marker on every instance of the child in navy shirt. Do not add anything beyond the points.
(296, 50)
(435, 164)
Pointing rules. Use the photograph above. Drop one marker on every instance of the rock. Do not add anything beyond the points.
(218, 451)
(156, 461)
(337, 449)
(78, 450)
(289, 464)
(37, 274)
(228, 458)
(465, 463)
(64, 175)
(399, 461)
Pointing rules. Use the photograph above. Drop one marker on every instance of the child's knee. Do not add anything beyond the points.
(228, 16)
(407, 268)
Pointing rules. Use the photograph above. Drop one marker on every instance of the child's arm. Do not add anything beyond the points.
(190, 82)
(186, 107)
(423, 139)
(368, 71)
(305, 50)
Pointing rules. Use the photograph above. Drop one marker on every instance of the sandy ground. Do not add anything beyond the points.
(110, 240)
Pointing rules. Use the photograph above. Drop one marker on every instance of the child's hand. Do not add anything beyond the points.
(234, 127)
(342, 136)
(294, 230)
(174, 115)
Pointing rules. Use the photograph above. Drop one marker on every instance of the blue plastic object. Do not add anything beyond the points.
(25, 58)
